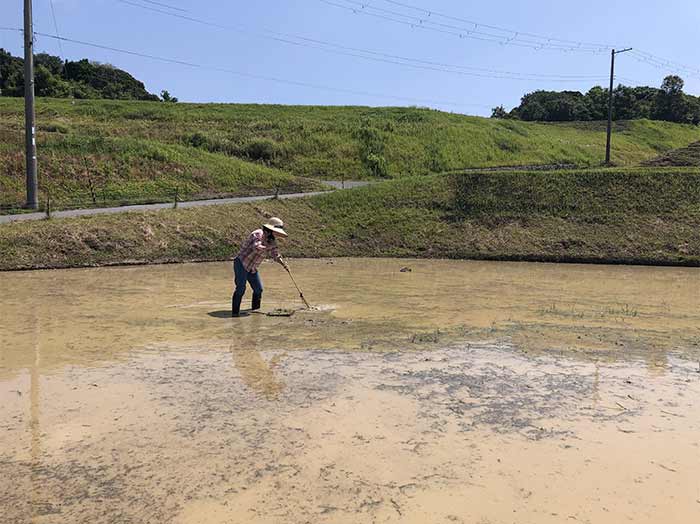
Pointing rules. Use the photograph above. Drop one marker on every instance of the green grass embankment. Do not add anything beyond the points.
(126, 150)
(81, 171)
(611, 215)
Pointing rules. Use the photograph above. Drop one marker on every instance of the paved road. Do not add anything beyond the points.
(4, 219)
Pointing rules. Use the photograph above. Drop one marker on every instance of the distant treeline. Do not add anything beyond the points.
(668, 103)
(56, 78)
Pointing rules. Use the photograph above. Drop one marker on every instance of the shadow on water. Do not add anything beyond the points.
(224, 313)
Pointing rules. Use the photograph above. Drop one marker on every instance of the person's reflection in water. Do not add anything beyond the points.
(255, 371)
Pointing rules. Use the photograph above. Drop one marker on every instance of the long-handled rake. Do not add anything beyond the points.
(301, 295)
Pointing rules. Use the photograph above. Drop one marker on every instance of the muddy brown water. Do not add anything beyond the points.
(454, 392)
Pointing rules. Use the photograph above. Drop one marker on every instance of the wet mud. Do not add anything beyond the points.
(455, 392)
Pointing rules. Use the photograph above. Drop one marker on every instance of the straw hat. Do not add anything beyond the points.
(276, 225)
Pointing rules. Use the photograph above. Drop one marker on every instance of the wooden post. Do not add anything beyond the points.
(48, 205)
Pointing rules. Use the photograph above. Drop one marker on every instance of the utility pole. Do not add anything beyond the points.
(29, 124)
(610, 101)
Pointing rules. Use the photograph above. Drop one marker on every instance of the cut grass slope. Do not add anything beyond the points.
(685, 156)
(592, 216)
(142, 143)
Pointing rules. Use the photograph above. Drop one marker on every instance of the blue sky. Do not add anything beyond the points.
(668, 30)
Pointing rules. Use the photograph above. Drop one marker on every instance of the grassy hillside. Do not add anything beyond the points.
(612, 215)
(684, 156)
(81, 171)
(124, 149)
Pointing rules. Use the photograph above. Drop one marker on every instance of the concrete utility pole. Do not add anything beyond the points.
(29, 124)
(610, 101)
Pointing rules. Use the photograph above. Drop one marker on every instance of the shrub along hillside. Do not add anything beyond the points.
(126, 148)
(593, 216)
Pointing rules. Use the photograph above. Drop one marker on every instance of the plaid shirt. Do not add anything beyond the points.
(255, 249)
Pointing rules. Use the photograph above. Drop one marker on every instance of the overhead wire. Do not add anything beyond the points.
(378, 56)
(510, 36)
(474, 33)
(432, 12)
(264, 77)
(55, 26)
(12, 29)
(664, 64)
(152, 2)
(500, 38)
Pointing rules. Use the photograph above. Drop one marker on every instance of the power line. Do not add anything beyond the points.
(621, 78)
(664, 64)
(474, 33)
(55, 26)
(262, 77)
(660, 65)
(377, 56)
(642, 56)
(165, 5)
(507, 37)
(426, 21)
(431, 12)
(629, 80)
(511, 36)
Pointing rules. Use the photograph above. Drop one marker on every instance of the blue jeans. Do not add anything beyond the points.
(241, 278)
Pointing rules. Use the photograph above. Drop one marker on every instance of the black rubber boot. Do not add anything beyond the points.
(256, 302)
(236, 306)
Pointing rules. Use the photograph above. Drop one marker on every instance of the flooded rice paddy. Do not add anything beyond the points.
(448, 392)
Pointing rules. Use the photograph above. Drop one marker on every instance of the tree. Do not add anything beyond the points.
(668, 102)
(552, 106)
(499, 112)
(81, 79)
(672, 85)
(50, 85)
(645, 100)
(672, 104)
(53, 63)
(165, 95)
(625, 105)
(694, 109)
(598, 103)
(11, 75)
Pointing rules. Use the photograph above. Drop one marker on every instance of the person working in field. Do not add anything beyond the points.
(260, 244)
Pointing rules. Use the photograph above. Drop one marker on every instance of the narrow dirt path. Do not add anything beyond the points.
(23, 217)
